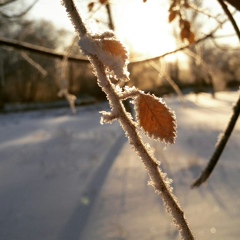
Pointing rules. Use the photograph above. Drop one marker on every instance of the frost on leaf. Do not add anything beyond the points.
(115, 48)
(109, 51)
(155, 118)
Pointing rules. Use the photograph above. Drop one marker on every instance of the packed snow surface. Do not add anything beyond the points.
(64, 176)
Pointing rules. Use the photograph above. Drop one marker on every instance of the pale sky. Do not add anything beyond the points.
(143, 26)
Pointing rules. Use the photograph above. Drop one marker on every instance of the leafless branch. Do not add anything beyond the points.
(64, 63)
(170, 81)
(34, 63)
(203, 11)
(234, 3)
(228, 131)
(202, 39)
(207, 69)
(6, 2)
(223, 48)
(38, 49)
(230, 16)
(52, 53)
(20, 14)
(219, 148)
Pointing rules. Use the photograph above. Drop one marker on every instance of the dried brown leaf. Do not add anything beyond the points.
(90, 6)
(114, 47)
(155, 118)
(172, 16)
(184, 33)
(191, 38)
(103, 1)
(185, 24)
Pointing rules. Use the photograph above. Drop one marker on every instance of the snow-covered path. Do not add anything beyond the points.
(49, 160)
(66, 177)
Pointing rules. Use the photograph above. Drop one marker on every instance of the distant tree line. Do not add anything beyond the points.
(26, 76)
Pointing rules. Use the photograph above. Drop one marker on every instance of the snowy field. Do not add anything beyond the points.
(66, 177)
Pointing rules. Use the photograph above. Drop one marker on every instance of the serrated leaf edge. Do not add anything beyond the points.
(150, 135)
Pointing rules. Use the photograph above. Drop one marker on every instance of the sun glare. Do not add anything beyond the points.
(144, 27)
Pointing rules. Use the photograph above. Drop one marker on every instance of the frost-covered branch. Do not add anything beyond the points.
(231, 124)
(110, 58)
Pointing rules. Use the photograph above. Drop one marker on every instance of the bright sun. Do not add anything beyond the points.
(144, 27)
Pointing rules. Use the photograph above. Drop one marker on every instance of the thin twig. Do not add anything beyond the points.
(225, 49)
(227, 133)
(27, 57)
(230, 16)
(220, 147)
(34, 63)
(202, 39)
(52, 53)
(202, 11)
(20, 14)
(209, 72)
(151, 164)
(170, 81)
(234, 3)
(39, 49)
(6, 2)
(64, 63)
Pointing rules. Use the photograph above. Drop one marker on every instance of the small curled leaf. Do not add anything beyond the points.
(109, 51)
(191, 38)
(188, 35)
(114, 47)
(155, 118)
(184, 33)
(172, 16)
(90, 6)
(115, 57)
(185, 24)
(103, 1)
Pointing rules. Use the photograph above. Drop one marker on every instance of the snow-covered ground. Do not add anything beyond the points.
(66, 177)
